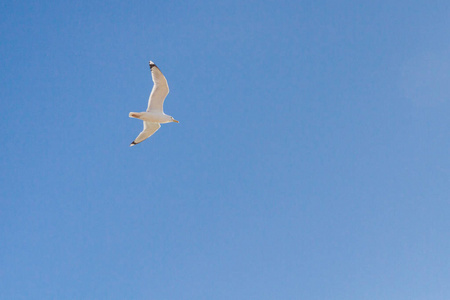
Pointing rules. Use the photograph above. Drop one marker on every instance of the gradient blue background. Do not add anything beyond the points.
(311, 160)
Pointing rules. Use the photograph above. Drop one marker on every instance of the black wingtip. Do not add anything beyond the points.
(151, 64)
(132, 144)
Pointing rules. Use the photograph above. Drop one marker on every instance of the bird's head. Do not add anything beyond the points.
(173, 120)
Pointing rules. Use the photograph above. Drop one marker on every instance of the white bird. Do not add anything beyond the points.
(154, 115)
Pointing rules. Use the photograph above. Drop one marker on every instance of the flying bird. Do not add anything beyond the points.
(154, 116)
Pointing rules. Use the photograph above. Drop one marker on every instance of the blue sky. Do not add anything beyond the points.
(311, 160)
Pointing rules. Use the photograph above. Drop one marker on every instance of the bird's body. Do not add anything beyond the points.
(151, 116)
(154, 116)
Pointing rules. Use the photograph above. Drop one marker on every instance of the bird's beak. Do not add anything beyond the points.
(176, 121)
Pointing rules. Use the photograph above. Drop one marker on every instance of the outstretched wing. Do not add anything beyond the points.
(159, 91)
(149, 129)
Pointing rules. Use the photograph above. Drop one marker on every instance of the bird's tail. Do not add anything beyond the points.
(134, 115)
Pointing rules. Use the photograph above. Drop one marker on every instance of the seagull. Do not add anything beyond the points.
(154, 115)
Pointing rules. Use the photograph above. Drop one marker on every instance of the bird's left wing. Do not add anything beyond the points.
(159, 91)
(149, 129)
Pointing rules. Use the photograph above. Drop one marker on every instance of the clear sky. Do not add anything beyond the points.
(311, 160)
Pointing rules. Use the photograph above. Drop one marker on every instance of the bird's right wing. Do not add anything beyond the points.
(149, 129)
(159, 91)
